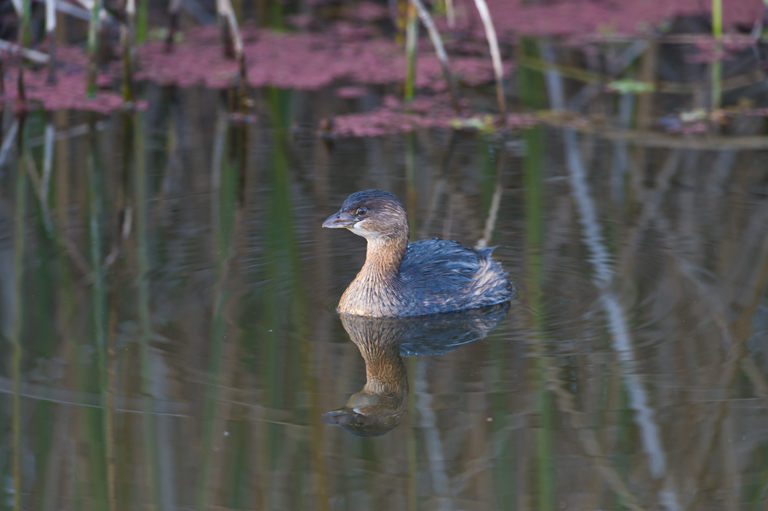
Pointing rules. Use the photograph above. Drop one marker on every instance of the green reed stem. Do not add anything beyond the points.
(717, 65)
(142, 21)
(127, 57)
(93, 45)
(411, 43)
(25, 35)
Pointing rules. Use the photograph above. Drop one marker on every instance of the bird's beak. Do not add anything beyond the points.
(342, 417)
(339, 220)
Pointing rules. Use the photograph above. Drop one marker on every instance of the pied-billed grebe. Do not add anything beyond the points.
(381, 403)
(411, 279)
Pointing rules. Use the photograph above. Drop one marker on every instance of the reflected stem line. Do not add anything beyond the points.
(223, 251)
(413, 498)
(142, 284)
(617, 321)
(15, 332)
(493, 211)
(533, 166)
(99, 300)
(439, 187)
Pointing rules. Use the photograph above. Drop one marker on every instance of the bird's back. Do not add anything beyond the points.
(440, 275)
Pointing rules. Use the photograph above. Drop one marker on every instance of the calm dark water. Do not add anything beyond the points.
(171, 340)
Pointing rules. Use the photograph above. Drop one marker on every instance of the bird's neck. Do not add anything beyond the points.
(383, 258)
(384, 369)
(377, 290)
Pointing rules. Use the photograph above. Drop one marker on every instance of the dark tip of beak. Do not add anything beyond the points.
(339, 417)
(339, 220)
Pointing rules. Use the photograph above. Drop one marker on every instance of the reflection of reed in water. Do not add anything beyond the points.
(381, 403)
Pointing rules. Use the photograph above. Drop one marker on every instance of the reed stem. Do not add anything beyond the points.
(50, 28)
(173, 24)
(141, 21)
(717, 65)
(442, 56)
(24, 31)
(411, 43)
(450, 13)
(233, 44)
(93, 44)
(127, 39)
(493, 43)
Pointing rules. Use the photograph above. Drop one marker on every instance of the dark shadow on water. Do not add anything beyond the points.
(381, 404)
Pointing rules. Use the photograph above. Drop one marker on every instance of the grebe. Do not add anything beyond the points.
(412, 279)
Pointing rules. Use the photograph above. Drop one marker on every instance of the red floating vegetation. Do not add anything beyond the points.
(302, 60)
(69, 91)
(396, 116)
(573, 17)
(351, 51)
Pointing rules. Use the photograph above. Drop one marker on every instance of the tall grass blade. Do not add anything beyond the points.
(717, 64)
(411, 43)
(14, 333)
(442, 56)
(490, 34)
(93, 44)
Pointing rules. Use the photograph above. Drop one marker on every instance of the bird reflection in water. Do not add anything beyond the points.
(380, 405)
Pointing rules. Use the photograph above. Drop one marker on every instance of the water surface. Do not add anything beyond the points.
(172, 340)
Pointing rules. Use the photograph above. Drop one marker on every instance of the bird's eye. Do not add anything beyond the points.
(361, 211)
